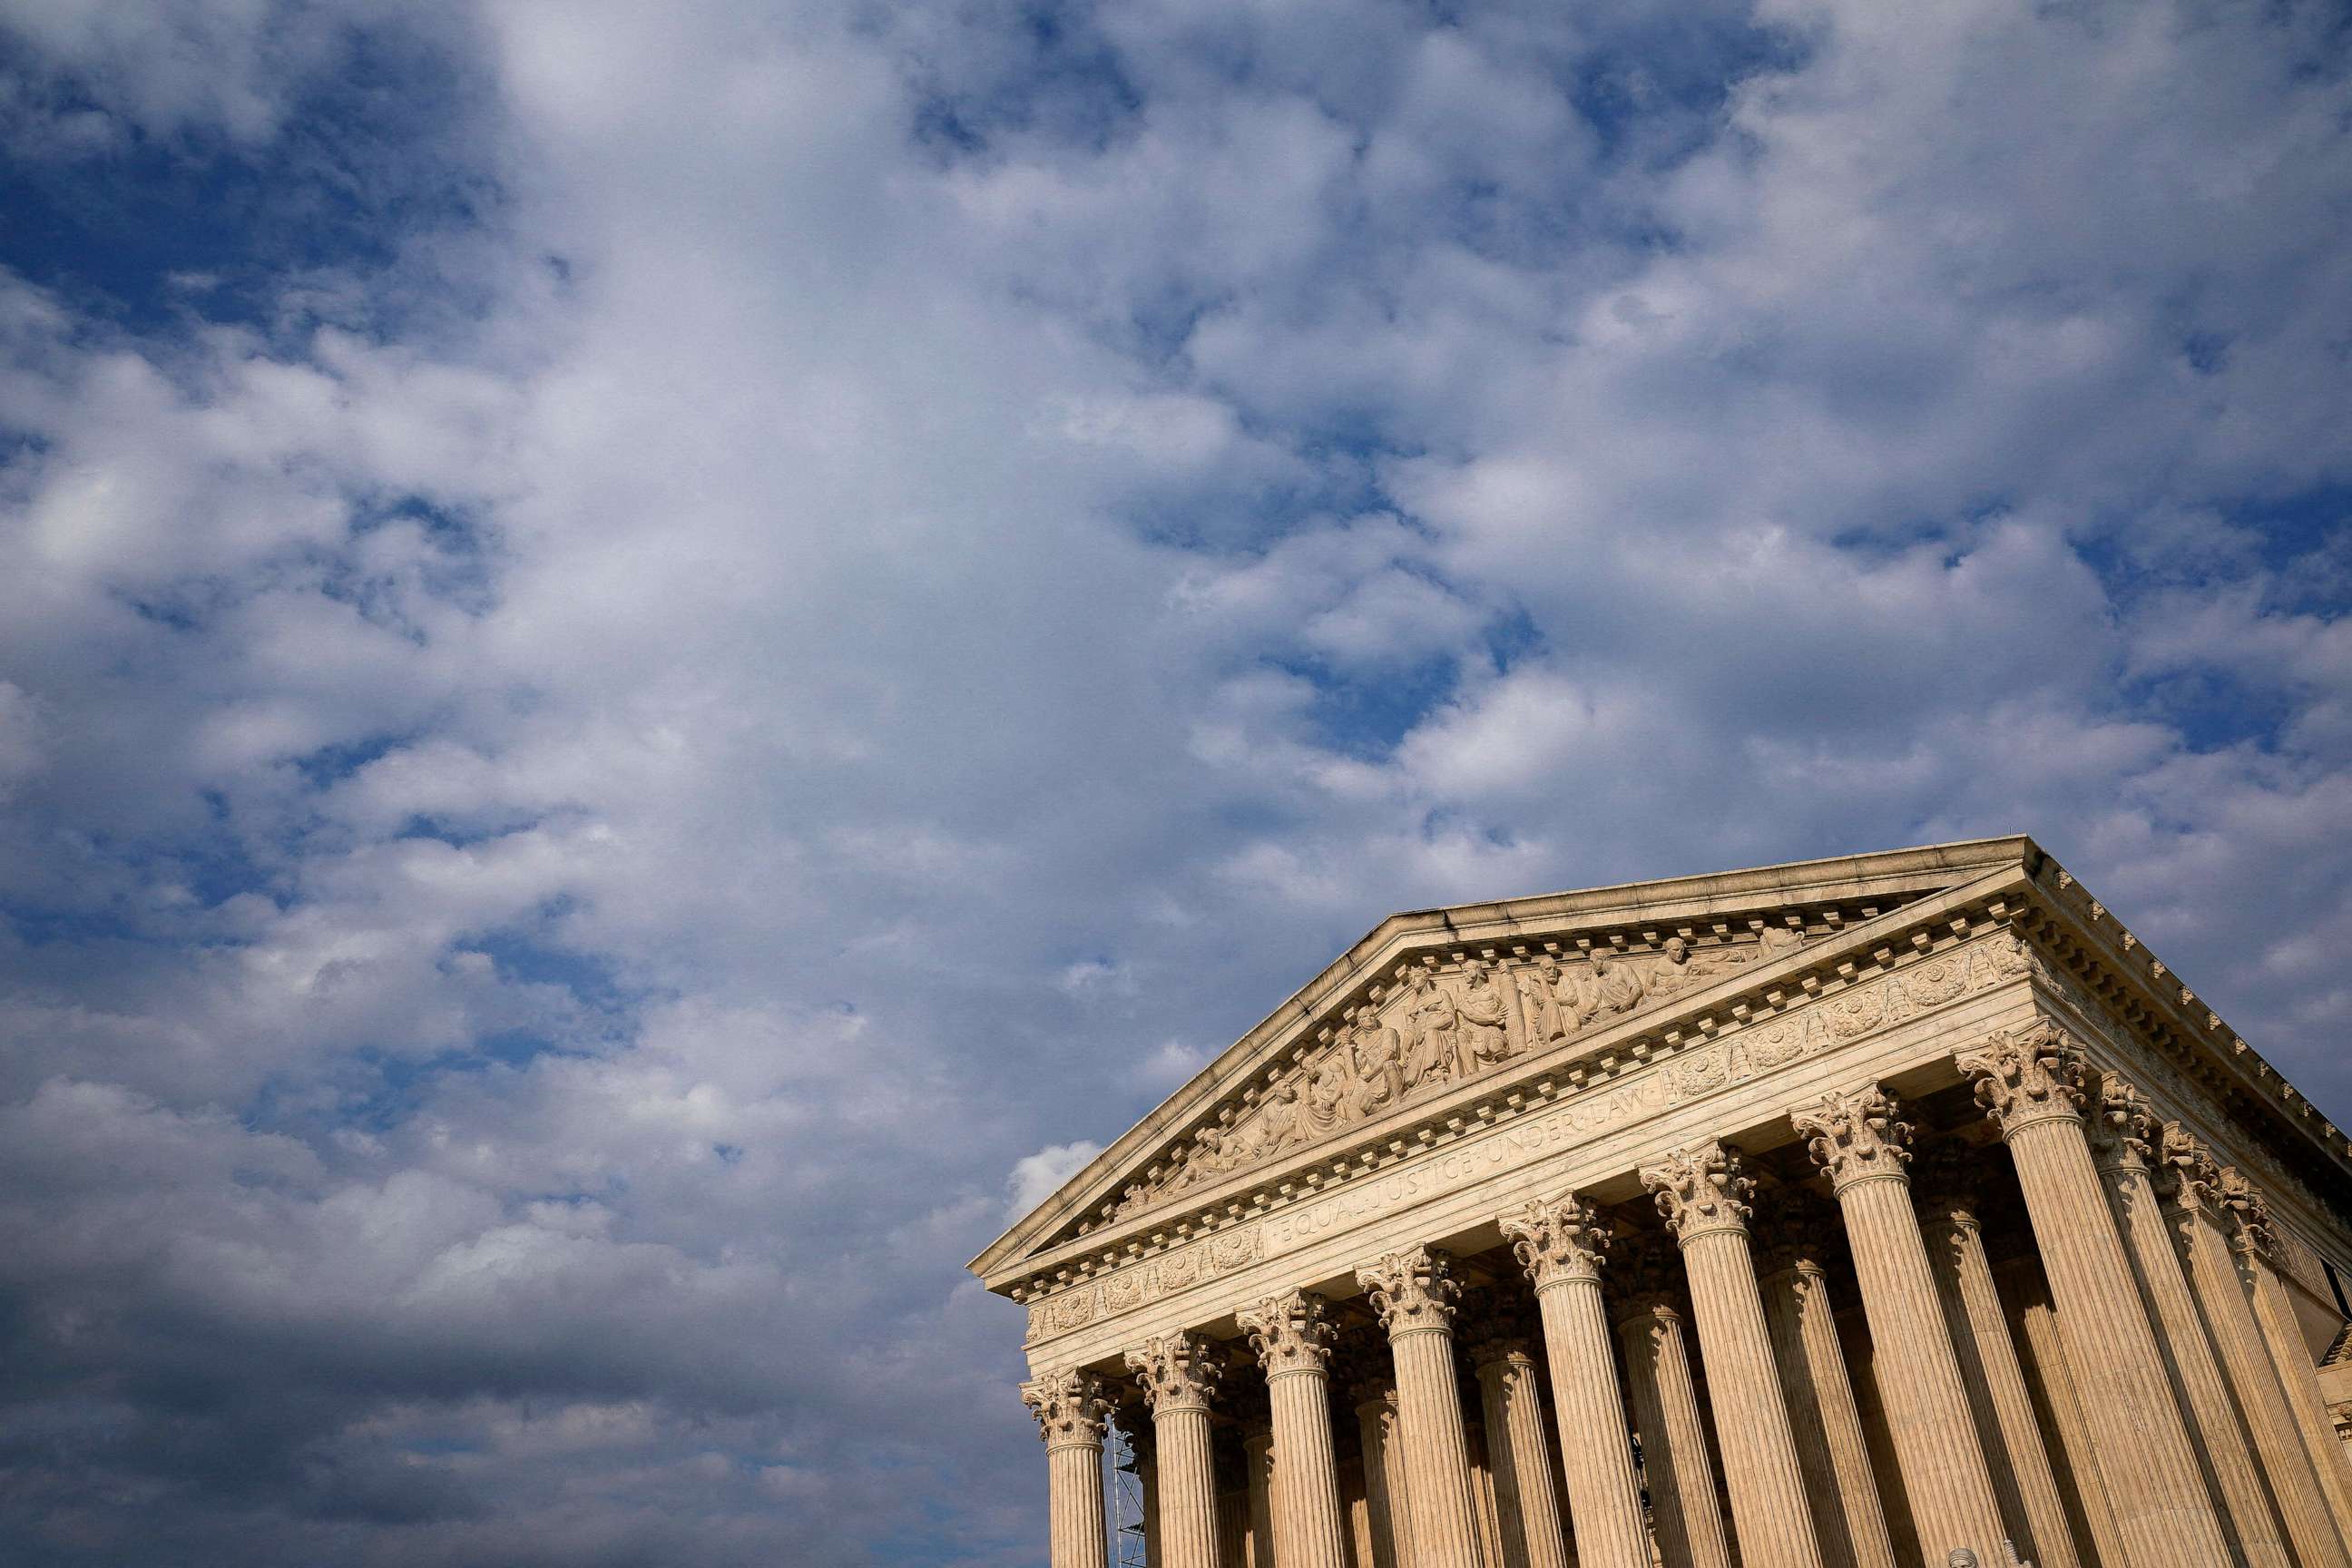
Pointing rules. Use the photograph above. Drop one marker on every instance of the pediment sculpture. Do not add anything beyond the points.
(1431, 1026)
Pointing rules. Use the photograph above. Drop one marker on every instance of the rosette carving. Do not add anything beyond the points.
(1558, 1241)
(1176, 1371)
(1290, 1331)
(1411, 1290)
(1700, 1189)
(2123, 1129)
(2026, 1076)
(1854, 1136)
(1071, 1408)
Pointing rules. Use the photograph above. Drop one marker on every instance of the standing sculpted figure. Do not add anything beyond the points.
(1542, 1002)
(1433, 1030)
(1378, 1051)
(1486, 1035)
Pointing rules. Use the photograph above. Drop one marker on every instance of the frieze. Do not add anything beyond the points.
(1806, 1027)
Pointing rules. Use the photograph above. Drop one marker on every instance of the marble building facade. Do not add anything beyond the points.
(1851, 1213)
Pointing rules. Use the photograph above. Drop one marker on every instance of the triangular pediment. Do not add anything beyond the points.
(1432, 999)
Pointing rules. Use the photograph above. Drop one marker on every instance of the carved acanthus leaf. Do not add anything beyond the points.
(1854, 1136)
(1177, 1372)
(2249, 1214)
(2028, 1075)
(2187, 1175)
(1071, 1408)
(1410, 1289)
(2123, 1129)
(1558, 1240)
(1700, 1189)
(1290, 1331)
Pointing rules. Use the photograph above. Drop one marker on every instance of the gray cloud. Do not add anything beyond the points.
(587, 800)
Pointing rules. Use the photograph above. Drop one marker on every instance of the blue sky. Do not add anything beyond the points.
(654, 660)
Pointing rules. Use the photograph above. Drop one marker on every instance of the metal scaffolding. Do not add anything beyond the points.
(1127, 1505)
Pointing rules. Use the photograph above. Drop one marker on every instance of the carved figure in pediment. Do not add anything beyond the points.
(1325, 1105)
(1433, 1032)
(1486, 1035)
(1544, 1005)
(1619, 983)
(1377, 1049)
(1277, 1126)
(1205, 1161)
(1685, 968)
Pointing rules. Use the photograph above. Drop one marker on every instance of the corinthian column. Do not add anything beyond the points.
(1673, 1439)
(2256, 1246)
(1990, 1369)
(1857, 1139)
(1179, 1375)
(1702, 1194)
(1374, 1394)
(2190, 1184)
(1849, 1519)
(1562, 1243)
(1414, 1293)
(1070, 1408)
(1518, 1455)
(1293, 1337)
(2030, 1081)
(2122, 1138)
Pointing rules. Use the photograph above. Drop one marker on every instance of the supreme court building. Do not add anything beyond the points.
(1843, 1214)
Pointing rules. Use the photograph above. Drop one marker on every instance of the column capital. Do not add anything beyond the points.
(1291, 1331)
(2251, 1233)
(1700, 1190)
(2122, 1129)
(1413, 1290)
(2187, 1175)
(2027, 1075)
(1854, 1136)
(1176, 1371)
(1071, 1408)
(1559, 1241)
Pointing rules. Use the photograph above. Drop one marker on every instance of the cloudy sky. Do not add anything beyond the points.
(654, 659)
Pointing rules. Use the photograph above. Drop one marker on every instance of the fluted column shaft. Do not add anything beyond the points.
(2121, 1138)
(1604, 1496)
(1849, 1519)
(1258, 1464)
(1376, 1429)
(1147, 1483)
(1989, 1371)
(1520, 1458)
(2068, 1435)
(1562, 1243)
(2190, 1181)
(2274, 1315)
(1071, 1410)
(2030, 1082)
(1701, 1192)
(1673, 1439)
(1179, 1375)
(1414, 1293)
(1856, 1138)
(1292, 1335)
